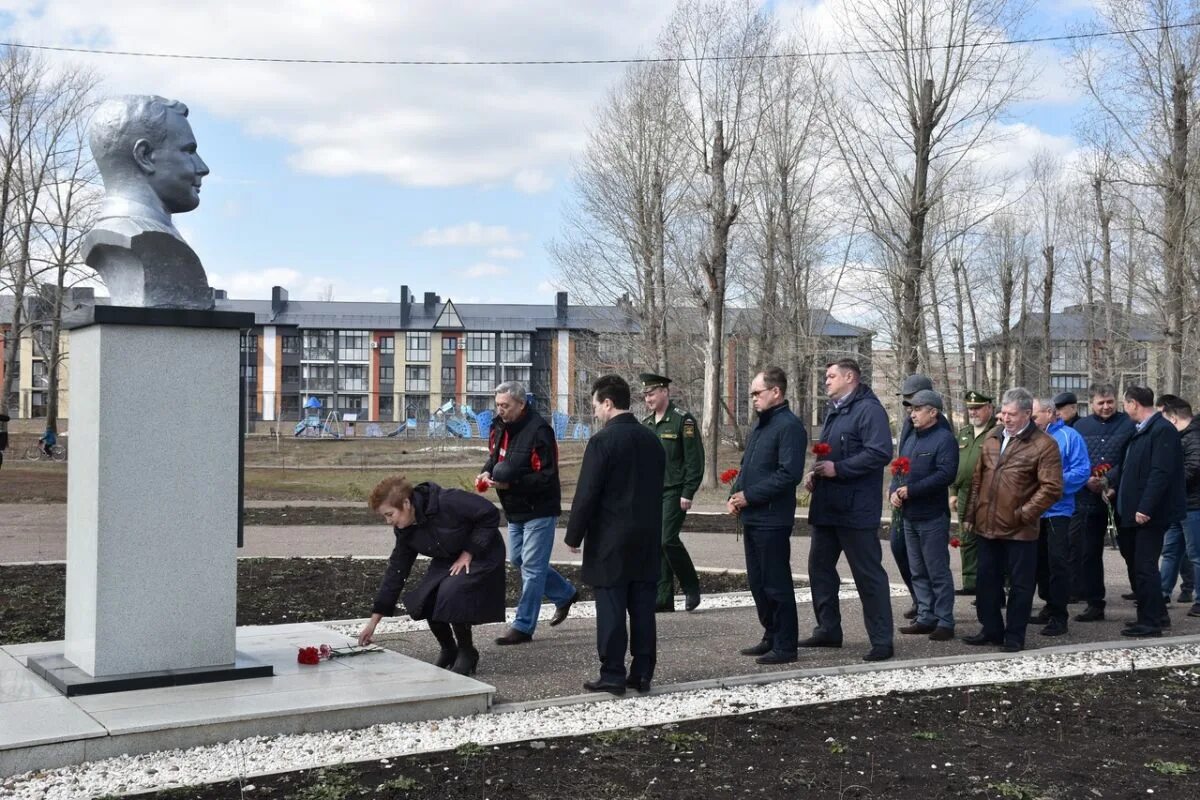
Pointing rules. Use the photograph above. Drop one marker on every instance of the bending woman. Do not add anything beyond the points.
(464, 584)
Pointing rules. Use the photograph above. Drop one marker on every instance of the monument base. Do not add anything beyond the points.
(73, 681)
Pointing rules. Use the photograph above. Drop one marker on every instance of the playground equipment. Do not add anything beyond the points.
(312, 425)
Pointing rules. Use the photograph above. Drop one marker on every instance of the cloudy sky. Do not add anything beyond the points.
(445, 178)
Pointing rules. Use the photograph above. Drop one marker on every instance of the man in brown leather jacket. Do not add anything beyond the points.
(1018, 476)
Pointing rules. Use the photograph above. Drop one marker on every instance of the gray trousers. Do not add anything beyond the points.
(863, 552)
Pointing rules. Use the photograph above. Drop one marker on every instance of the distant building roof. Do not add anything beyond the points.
(1071, 324)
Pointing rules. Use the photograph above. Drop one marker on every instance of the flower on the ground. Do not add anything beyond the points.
(729, 476)
(309, 655)
(324, 652)
(901, 466)
(955, 541)
(821, 449)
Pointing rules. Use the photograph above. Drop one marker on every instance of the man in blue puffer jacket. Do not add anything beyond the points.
(847, 504)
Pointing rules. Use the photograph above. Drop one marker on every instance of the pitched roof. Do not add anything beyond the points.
(1071, 324)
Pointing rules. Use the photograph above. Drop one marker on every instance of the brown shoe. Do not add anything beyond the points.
(917, 627)
(514, 636)
(941, 634)
(562, 611)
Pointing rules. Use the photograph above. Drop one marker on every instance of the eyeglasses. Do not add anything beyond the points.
(757, 392)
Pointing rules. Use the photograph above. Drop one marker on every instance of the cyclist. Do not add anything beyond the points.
(4, 418)
(48, 441)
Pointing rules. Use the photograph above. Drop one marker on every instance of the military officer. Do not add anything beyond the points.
(680, 437)
(982, 416)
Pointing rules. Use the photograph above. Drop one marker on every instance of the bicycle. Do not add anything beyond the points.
(35, 453)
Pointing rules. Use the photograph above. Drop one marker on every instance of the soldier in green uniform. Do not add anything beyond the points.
(680, 437)
(970, 442)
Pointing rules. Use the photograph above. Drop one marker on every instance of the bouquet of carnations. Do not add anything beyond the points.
(900, 469)
(315, 655)
(1101, 471)
(727, 478)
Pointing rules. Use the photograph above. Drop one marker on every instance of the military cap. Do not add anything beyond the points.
(974, 398)
(651, 381)
(925, 397)
(915, 383)
(1064, 399)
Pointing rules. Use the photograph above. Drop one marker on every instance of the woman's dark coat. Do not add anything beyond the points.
(448, 522)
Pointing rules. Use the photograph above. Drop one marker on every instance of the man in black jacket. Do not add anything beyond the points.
(617, 517)
(522, 467)
(764, 497)
(1179, 413)
(1150, 498)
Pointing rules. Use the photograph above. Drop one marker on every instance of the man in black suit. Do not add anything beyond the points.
(1150, 497)
(617, 516)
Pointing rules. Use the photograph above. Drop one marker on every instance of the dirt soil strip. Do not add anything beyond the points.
(266, 756)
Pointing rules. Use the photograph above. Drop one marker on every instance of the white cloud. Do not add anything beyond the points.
(485, 270)
(469, 234)
(506, 253)
(416, 125)
(256, 285)
(548, 287)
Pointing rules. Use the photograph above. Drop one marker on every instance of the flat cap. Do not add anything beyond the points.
(925, 397)
(974, 398)
(915, 383)
(651, 381)
(1064, 399)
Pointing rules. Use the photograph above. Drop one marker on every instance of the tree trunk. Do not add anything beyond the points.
(910, 316)
(1174, 231)
(943, 361)
(960, 323)
(1112, 353)
(659, 288)
(1047, 294)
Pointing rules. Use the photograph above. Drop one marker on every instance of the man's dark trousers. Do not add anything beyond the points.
(676, 563)
(1093, 530)
(1017, 560)
(613, 603)
(1054, 566)
(769, 572)
(862, 549)
(1141, 548)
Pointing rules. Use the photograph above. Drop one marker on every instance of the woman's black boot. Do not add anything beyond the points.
(445, 636)
(468, 656)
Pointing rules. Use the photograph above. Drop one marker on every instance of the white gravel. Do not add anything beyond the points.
(259, 756)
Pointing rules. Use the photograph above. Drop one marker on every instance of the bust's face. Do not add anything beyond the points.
(178, 168)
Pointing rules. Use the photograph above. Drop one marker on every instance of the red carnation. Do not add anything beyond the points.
(481, 486)
(1100, 470)
(955, 541)
(901, 466)
(309, 655)
(821, 449)
(729, 476)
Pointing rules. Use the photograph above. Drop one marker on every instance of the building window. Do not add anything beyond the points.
(318, 378)
(352, 346)
(387, 407)
(416, 346)
(289, 406)
(1071, 383)
(352, 402)
(449, 344)
(291, 374)
(481, 380)
(481, 348)
(514, 348)
(416, 379)
(291, 344)
(1068, 356)
(449, 382)
(249, 343)
(387, 344)
(517, 374)
(318, 345)
(387, 374)
(249, 372)
(352, 378)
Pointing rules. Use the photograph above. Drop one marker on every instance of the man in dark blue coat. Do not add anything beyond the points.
(847, 504)
(1150, 498)
(764, 497)
(617, 516)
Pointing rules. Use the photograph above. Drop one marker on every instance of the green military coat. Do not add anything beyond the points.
(680, 436)
(969, 448)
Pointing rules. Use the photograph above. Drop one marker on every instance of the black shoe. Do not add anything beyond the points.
(879, 653)
(820, 641)
(759, 649)
(917, 627)
(664, 608)
(1194, 611)
(911, 613)
(1185, 598)
(1090, 614)
(1011, 647)
(691, 601)
(965, 592)
(775, 657)
(446, 657)
(642, 685)
(1165, 622)
(1129, 596)
(514, 636)
(1141, 631)
(1056, 627)
(562, 611)
(604, 686)
(941, 634)
(980, 639)
(467, 661)
(1040, 618)
(1074, 599)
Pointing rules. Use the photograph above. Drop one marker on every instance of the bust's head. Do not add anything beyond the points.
(143, 144)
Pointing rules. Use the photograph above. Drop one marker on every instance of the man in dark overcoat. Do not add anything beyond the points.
(616, 515)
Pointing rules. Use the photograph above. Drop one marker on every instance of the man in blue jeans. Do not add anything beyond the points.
(523, 469)
(1179, 413)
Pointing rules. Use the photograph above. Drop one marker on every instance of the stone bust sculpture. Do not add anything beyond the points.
(146, 154)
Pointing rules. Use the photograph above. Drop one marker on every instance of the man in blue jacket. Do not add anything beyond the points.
(920, 496)
(764, 497)
(847, 504)
(1150, 498)
(1054, 546)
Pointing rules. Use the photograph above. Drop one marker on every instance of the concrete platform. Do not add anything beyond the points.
(41, 729)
